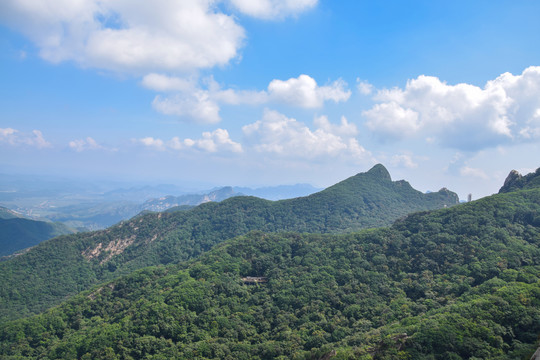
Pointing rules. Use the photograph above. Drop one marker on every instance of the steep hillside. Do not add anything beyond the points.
(364, 200)
(458, 283)
(17, 233)
(6, 213)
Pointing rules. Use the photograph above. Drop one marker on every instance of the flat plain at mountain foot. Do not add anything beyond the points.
(457, 283)
(61, 267)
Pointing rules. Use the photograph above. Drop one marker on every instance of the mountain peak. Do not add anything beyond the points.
(515, 181)
(380, 172)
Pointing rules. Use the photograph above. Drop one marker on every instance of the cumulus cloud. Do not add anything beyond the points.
(138, 35)
(89, 143)
(211, 142)
(164, 83)
(201, 102)
(156, 144)
(403, 160)
(271, 9)
(344, 128)
(197, 106)
(132, 35)
(473, 172)
(392, 121)
(8, 135)
(364, 87)
(16, 138)
(276, 133)
(304, 91)
(463, 116)
(217, 140)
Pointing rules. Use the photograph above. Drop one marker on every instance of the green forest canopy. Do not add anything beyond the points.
(64, 266)
(458, 283)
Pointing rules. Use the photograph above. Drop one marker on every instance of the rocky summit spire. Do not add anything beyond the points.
(512, 179)
(515, 181)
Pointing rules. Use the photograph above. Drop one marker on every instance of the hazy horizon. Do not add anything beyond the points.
(272, 92)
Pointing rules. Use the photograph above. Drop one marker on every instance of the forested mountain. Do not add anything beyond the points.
(457, 283)
(66, 265)
(17, 233)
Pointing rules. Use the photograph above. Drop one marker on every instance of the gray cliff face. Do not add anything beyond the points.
(512, 179)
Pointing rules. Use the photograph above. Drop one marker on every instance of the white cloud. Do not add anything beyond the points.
(391, 121)
(89, 143)
(15, 138)
(197, 106)
(211, 142)
(150, 142)
(271, 9)
(404, 160)
(364, 87)
(275, 133)
(128, 35)
(463, 116)
(344, 129)
(473, 172)
(215, 141)
(175, 143)
(164, 83)
(304, 91)
(202, 103)
(8, 135)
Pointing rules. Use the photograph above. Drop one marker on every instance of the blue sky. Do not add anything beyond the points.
(244, 92)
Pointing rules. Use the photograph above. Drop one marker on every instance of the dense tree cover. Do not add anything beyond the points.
(50, 272)
(20, 233)
(458, 283)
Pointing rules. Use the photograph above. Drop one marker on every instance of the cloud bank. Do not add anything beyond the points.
(185, 98)
(217, 141)
(137, 35)
(463, 116)
(277, 134)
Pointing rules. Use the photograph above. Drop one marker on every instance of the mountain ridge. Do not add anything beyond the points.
(364, 200)
(452, 283)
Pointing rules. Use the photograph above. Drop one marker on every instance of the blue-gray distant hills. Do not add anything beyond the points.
(88, 206)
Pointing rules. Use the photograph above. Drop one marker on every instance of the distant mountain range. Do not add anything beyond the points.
(78, 261)
(89, 207)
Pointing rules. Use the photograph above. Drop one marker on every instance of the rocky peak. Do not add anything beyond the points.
(512, 178)
(512, 181)
(380, 172)
(515, 181)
